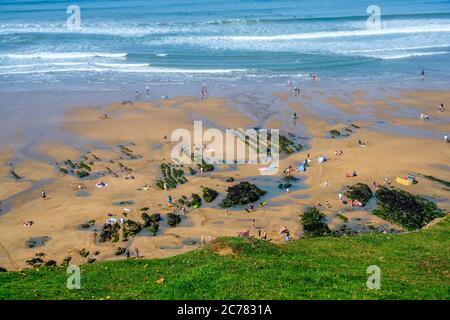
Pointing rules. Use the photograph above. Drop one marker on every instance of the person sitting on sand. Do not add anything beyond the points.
(250, 208)
(441, 107)
(361, 144)
(100, 184)
(351, 175)
(446, 138)
(338, 152)
(27, 223)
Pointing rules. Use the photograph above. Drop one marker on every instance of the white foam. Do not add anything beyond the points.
(410, 55)
(337, 34)
(64, 55)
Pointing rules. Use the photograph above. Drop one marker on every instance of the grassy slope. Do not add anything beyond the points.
(413, 266)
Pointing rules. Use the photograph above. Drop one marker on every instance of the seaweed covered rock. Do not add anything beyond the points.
(288, 146)
(151, 223)
(172, 176)
(410, 211)
(119, 251)
(242, 193)
(50, 263)
(110, 232)
(87, 224)
(173, 219)
(35, 262)
(131, 228)
(360, 192)
(209, 194)
(84, 253)
(334, 133)
(313, 222)
(194, 202)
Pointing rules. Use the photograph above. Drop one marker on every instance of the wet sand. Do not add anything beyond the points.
(142, 126)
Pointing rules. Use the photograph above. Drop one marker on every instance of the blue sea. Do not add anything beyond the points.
(126, 42)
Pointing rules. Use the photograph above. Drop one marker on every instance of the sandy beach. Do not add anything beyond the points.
(102, 132)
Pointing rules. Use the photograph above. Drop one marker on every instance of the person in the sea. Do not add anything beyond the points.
(422, 75)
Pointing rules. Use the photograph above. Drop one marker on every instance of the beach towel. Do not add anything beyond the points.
(100, 185)
(405, 182)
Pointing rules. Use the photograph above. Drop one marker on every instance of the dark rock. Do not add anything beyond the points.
(173, 219)
(360, 192)
(401, 207)
(110, 233)
(35, 262)
(313, 222)
(209, 194)
(84, 253)
(242, 193)
(50, 263)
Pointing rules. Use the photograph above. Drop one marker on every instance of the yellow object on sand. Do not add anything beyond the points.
(406, 182)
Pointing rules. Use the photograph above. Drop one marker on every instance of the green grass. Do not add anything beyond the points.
(413, 265)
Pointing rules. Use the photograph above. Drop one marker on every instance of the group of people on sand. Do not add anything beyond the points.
(284, 232)
(128, 253)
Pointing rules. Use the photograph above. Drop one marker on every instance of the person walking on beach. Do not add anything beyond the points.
(44, 194)
(446, 138)
(147, 91)
(169, 200)
(340, 196)
(202, 241)
(136, 252)
(204, 91)
(127, 253)
(253, 224)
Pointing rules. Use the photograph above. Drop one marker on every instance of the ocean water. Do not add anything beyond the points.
(125, 42)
